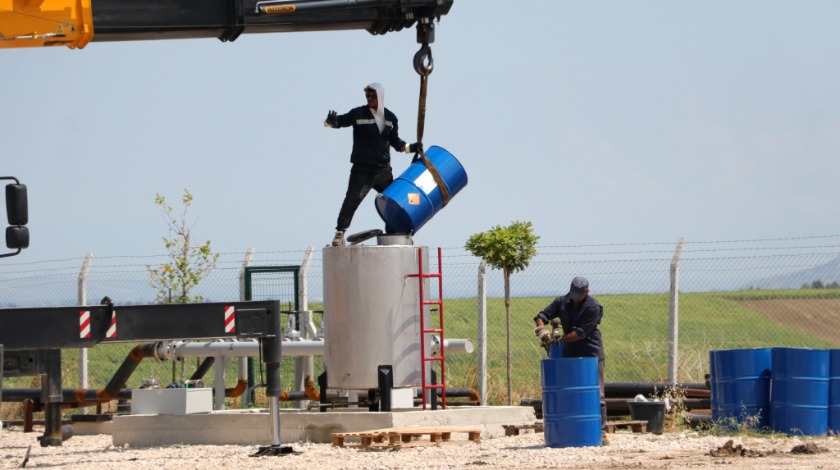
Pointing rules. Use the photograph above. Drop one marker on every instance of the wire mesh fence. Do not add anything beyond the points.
(732, 294)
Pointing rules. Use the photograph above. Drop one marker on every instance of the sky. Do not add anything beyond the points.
(598, 122)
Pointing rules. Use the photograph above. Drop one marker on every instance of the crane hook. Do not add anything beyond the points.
(423, 61)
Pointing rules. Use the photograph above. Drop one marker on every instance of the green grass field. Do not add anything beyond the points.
(635, 331)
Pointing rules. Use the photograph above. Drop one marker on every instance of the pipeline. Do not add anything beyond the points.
(647, 389)
(695, 396)
(471, 393)
(175, 351)
(82, 397)
(232, 392)
(203, 368)
(129, 365)
(621, 407)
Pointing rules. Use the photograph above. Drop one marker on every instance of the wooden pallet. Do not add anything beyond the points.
(513, 429)
(638, 426)
(405, 437)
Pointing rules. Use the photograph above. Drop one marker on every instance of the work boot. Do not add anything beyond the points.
(338, 239)
(604, 440)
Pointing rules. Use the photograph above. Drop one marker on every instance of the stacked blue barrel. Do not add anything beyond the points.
(799, 391)
(834, 392)
(570, 400)
(741, 387)
(790, 390)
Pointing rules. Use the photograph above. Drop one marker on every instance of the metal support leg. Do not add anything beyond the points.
(272, 357)
(373, 400)
(322, 385)
(386, 383)
(52, 398)
(434, 391)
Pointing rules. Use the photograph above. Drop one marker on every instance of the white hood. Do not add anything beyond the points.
(380, 95)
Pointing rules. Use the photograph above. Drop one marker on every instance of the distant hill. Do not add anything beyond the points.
(827, 273)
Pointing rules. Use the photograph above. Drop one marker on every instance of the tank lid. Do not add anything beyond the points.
(394, 239)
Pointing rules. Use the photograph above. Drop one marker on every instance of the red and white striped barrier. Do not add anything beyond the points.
(84, 324)
(230, 319)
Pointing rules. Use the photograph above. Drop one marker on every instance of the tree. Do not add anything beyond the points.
(510, 249)
(188, 261)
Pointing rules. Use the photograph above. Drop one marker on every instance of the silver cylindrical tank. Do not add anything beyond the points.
(372, 314)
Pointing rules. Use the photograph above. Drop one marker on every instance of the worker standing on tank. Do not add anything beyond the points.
(579, 314)
(375, 130)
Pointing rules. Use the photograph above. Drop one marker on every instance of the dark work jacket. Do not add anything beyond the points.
(585, 320)
(371, 147)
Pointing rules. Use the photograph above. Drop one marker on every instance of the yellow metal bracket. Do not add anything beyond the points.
(42, 23)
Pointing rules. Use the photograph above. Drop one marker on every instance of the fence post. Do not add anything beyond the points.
(249, 256)
(82, 285)
(482, 332)
(673, 313)
(304, 366)
(245, 364)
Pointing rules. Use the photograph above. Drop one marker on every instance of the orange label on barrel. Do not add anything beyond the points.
(414, 199)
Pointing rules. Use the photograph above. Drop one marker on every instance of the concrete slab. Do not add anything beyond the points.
(251, 427)
(91, 429)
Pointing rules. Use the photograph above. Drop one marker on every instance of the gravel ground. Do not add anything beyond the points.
(625, 450)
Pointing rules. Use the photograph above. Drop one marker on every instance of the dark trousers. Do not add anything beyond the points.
(603, 396)
(362, 179)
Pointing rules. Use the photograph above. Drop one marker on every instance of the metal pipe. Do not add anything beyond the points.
(243, 362)
(620, 406)
(178, 350)
(203, 368)
(457, 392)
(673, 313)
(304, 366)
(647, 389)
(482, 332)
(82, 299)
(69, 396)
(458, 346)
(219, 384)
(118, 381)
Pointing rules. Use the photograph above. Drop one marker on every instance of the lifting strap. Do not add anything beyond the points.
(424, 69)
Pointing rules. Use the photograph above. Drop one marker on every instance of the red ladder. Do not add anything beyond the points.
(426, 331)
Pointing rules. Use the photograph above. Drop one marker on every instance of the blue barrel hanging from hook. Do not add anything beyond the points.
(414, 197)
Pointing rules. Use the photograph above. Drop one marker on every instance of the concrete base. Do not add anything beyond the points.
(92, 429)
(252, 427)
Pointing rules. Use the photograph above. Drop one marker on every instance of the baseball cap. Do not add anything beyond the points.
(578, 287)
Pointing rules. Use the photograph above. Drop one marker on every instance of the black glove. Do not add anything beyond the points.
(416, 147)
(331, 120)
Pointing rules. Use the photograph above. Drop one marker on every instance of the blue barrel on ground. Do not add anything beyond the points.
(741, 387)
(834, 391)
(571, 402)
(414, 197)
(799, 391)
